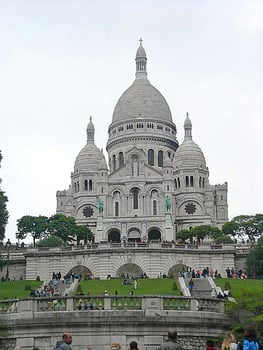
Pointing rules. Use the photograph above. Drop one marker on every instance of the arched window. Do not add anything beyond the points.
(151, 157)
(178, 181)
(175, 183)
(121, 159)
(191, 181)
(187, 181)
(86, 185)
(200, 182)
(90, 185)
(114, 162)
(135, 198)
(116, 208)
(160, 158)
(154, 207)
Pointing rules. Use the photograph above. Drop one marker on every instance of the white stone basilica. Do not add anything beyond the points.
(153, 186)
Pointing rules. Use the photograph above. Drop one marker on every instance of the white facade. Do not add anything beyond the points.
(152, 186)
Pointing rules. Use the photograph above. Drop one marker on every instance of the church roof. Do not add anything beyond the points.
(141, 99)
(189, 154)
(90, 158)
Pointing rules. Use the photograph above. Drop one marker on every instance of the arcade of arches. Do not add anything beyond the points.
(134, 235)
(131, 270)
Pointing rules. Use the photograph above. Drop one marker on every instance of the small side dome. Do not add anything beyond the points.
(90, 157)
(189, 154)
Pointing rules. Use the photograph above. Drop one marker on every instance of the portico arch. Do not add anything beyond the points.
(82, 271)
(114, 236)
(154, 234)
(129, 270)
(175, 270)
(134, 235)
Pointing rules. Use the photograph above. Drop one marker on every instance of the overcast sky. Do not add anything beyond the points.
(62, 61)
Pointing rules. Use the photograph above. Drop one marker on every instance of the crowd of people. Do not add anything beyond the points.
(248, 342)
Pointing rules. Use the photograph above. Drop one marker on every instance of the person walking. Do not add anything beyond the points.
(229, 342)
(171, 342)
(65, 343)
(250, 341)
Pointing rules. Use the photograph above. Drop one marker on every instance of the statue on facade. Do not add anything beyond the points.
(168, 203)
(100, 206)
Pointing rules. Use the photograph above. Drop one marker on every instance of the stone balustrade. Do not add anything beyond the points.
(159, 304)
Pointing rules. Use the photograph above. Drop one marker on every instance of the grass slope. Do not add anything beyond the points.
(17, 289)
(145, 286)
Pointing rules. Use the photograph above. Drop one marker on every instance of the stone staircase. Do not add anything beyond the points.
(201, 289)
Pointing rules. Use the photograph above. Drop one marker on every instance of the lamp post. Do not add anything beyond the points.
(8, 244)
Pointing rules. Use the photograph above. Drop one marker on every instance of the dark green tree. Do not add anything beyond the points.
(62, 226)
(184, 235)
(3, 209)
(254, 263)
(51, 241)
(200, 232)
(230, 228)
(249, 225)
(36, 226)
(83, 233)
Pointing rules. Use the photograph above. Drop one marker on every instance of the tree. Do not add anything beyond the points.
(184, 235)
(200, 232)
(83, 233)
(51, 241)
(230, 228)
(62, 226)
(3, 210)
(36, 226)
(254, 262)
(249, 225)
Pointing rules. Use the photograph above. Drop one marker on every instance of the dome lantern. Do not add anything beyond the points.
(141, 60)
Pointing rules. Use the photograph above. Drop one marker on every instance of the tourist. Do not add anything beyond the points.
(171, 342)
(64, 344)
(133, 345)
(250, 340)
(191, 285)
(115, 346)
(229, 342)
(210, 345)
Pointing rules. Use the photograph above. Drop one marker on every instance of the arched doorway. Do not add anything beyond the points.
(154, 234)
(175, 271)
(134, 235)
(114, 236)
(81, 271)
(129, 271)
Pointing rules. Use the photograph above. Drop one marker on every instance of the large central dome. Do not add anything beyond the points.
(141, 99)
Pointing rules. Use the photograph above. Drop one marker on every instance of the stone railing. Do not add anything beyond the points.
(148, 304)
(139, 245)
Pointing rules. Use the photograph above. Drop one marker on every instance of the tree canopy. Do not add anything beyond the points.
(255, 260)
(3, 209)
(36, 226)
(250, 226)
(63, 228)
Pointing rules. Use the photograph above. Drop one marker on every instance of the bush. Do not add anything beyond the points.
(174, 285)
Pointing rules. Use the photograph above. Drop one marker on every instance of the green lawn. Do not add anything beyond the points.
(240, 287)
(145, 286)
(17, 289)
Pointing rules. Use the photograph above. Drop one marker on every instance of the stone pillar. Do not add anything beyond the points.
(98, 235)
(169, 228)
